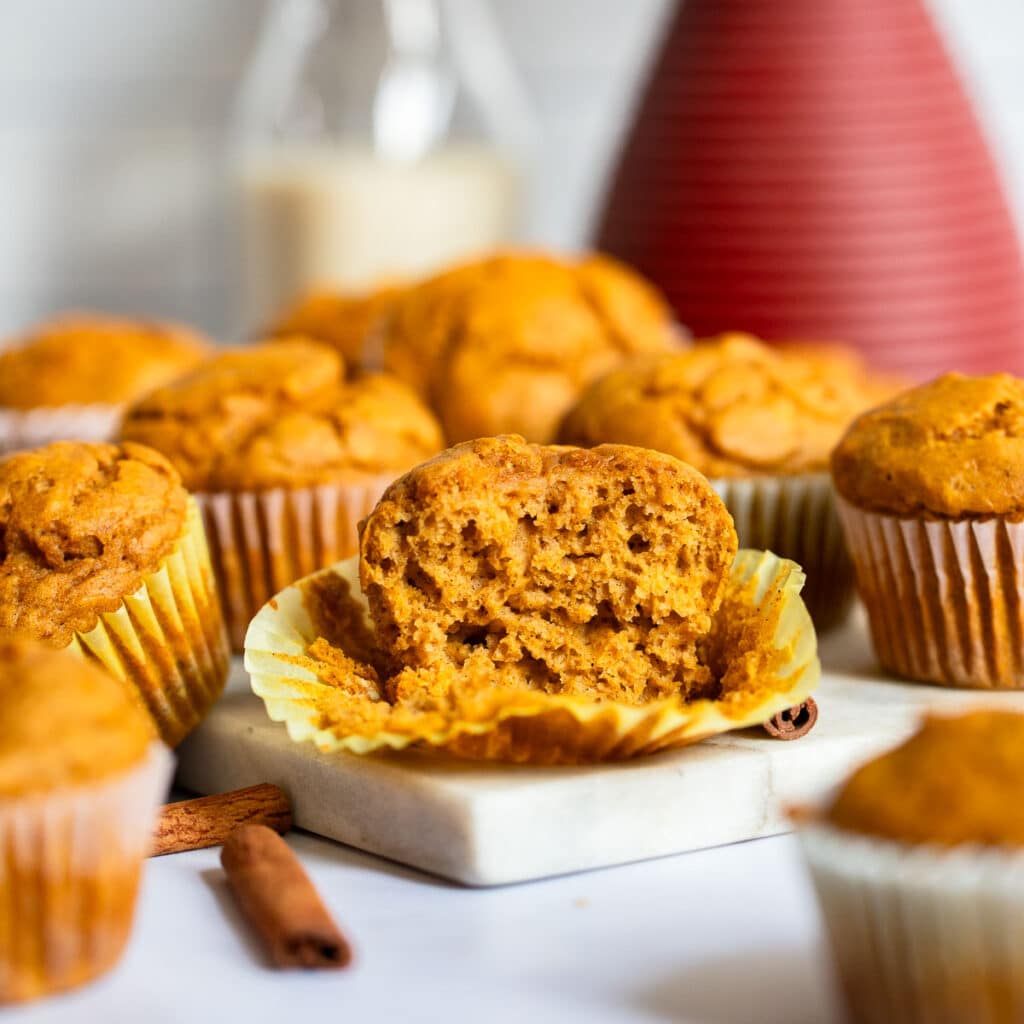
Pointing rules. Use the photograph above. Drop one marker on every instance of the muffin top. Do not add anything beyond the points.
(730, 406)
(63, 721)
(86, 358)
(80, 525)
(951, 448)
(283, 415)
(506, 344)
(345, 321)
(957, 780)
(561, 569)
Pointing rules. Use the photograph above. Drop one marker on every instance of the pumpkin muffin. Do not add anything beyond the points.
(69, 377)
(508, 343)
(529, 603)
(81, 776)
(760, 423)
(919, 859)
(932, 503)
(349, 322)
(285, 456)
(102, 552)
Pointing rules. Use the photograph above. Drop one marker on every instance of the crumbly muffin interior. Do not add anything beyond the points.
(563, 570)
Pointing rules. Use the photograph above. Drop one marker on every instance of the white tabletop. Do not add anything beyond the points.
(719, 936)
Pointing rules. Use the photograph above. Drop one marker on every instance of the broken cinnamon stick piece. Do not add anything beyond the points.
(278, 899)
(209, 820)
(794, 722)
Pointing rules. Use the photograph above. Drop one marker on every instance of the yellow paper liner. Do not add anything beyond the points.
(262, 541)
(30, 428)
(919, 933)
(796, 517)
(534, 726)
(944, 597)
(166, 641)
(70, 862)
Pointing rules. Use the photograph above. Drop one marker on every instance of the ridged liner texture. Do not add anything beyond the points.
(945, 597)
(30, 428)
(70, 862)
(261, 541)
(533, 726)
(167, 641)
(921, 934)
(795, 516)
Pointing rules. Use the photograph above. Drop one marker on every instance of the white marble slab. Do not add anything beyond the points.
(485, 824)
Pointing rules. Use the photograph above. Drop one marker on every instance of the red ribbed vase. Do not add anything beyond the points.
(813, 169)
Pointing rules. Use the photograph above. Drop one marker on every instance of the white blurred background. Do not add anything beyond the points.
(113, 116)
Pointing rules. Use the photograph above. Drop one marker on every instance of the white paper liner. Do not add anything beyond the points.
(919, 933)
(167, 640)
(945, 597)
(70, 862)
(795, 516)
(260, 542)
(30, 428)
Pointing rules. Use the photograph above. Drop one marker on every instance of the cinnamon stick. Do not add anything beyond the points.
(209, 820)
(278, 899)
(794, 722)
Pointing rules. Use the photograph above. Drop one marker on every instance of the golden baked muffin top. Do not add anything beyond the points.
(568, 570)
(84, 358)
(345, 321)
(951, 448)
(730, 406)
(63, 721)
(506, 344)
(283, 415)
(80, 525)
(957, 780)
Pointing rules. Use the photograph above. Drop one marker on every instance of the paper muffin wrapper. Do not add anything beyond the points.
(535, 727)
(262, 541)
(166, 641)
(918, 933)
(945, 598)
(795, 516)
(70, 862)
(30, 428)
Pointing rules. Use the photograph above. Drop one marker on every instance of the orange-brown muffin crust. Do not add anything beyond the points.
(951, 448)
(345, 321)
(63, 721)
(730, 406)
(506, 344)
(501, 563)
(84, 358)
(283, 415)
(957, 780)
(80, 525)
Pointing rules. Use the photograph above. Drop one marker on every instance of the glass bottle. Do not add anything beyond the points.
(376, 139)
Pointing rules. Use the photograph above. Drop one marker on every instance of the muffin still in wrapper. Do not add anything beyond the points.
(944, 597)
(166, 641)
(303, 681)
(70, 862)
(918, 864)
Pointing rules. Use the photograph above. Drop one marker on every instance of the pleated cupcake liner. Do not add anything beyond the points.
(261, 541)
(921, 934)
(167, 641)
(30, 428)
(795, 517)
(70, 862)
(945, 598)
(532, 726)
